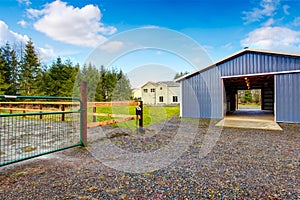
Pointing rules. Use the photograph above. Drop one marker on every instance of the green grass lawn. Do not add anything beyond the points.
(151, 114)
(249, 105)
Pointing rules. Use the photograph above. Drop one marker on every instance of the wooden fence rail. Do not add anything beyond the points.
(63, 106)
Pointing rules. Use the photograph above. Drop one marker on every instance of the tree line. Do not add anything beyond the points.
(22, 73)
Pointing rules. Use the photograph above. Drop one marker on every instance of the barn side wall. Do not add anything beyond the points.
(287, 98)
(202, 95)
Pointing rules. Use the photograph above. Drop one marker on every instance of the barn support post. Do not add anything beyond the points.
(83, 98)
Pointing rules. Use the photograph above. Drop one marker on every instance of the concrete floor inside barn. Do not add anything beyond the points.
(250, 118)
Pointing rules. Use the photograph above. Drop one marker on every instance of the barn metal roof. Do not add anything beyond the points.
(237, 54)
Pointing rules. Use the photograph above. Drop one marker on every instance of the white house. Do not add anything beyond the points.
(137, 93)
(165, 92)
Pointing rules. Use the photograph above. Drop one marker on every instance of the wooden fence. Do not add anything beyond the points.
(40, 107)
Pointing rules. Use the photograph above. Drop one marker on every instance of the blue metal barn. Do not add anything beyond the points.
(211, 92)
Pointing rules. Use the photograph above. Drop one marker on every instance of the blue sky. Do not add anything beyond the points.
(74, 28)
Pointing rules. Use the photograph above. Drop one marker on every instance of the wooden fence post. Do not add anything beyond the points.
(63, 115)
(83, 97)
(10, 111)
(24, 111)
(41, 108)
(94, 111)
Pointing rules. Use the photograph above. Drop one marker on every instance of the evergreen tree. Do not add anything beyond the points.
(78, 79)
(92, 78)
(10, 68)
(3, 84)
(62, 77)
(101, 88)
(29, 70)
(122, 90)
(180, 74)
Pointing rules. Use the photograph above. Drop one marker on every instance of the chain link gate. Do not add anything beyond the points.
(31, 126)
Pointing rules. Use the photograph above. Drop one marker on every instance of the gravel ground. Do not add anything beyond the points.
(242, 164)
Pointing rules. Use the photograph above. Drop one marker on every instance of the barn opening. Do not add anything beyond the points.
(249, 99)
(235, 87)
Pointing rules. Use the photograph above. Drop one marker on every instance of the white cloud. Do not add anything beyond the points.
(267, 9)
(46, 54)
(227, 46)
(112, 46)
(8, 35)
(72, 25)
(273, 38)
(22, 22)
(296, 21)
(270, 22)
(24, 2)
(285, 9)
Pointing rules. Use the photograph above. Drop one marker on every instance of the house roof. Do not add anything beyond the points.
(170, 83)
(149, 82)
(167, 83)
(234, 55)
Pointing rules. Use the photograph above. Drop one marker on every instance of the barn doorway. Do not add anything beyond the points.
(237, 87)
(249, 99)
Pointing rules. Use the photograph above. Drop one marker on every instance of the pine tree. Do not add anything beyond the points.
(3, 84)
(101, 89)
(10, 68)
(29, 69)
(122, 90)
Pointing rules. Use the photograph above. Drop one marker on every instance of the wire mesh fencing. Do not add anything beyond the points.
(24, 135)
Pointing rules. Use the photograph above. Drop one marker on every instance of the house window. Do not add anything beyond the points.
(152, 89)
(160, 88)
(145, 90)
(175, 98)
(161, 99)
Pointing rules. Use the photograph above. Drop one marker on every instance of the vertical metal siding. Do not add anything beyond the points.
(202, 92)
(256, 63)
(288, 97)
(202, 95)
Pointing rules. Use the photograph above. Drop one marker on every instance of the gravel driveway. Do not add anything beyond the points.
(241, 164)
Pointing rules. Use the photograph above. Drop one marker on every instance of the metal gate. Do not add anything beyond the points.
(31, 126)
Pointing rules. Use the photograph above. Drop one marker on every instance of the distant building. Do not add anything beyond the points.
(161, 93)
(137, 93)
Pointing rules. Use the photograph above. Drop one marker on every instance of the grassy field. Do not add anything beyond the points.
(152, 114)
(249, 106)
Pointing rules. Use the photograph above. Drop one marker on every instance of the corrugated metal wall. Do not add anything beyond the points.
(202, 95)
(256, 63)
(287, 97)
(202, 92)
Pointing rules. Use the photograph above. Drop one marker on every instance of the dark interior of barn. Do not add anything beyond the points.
(264, 82)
